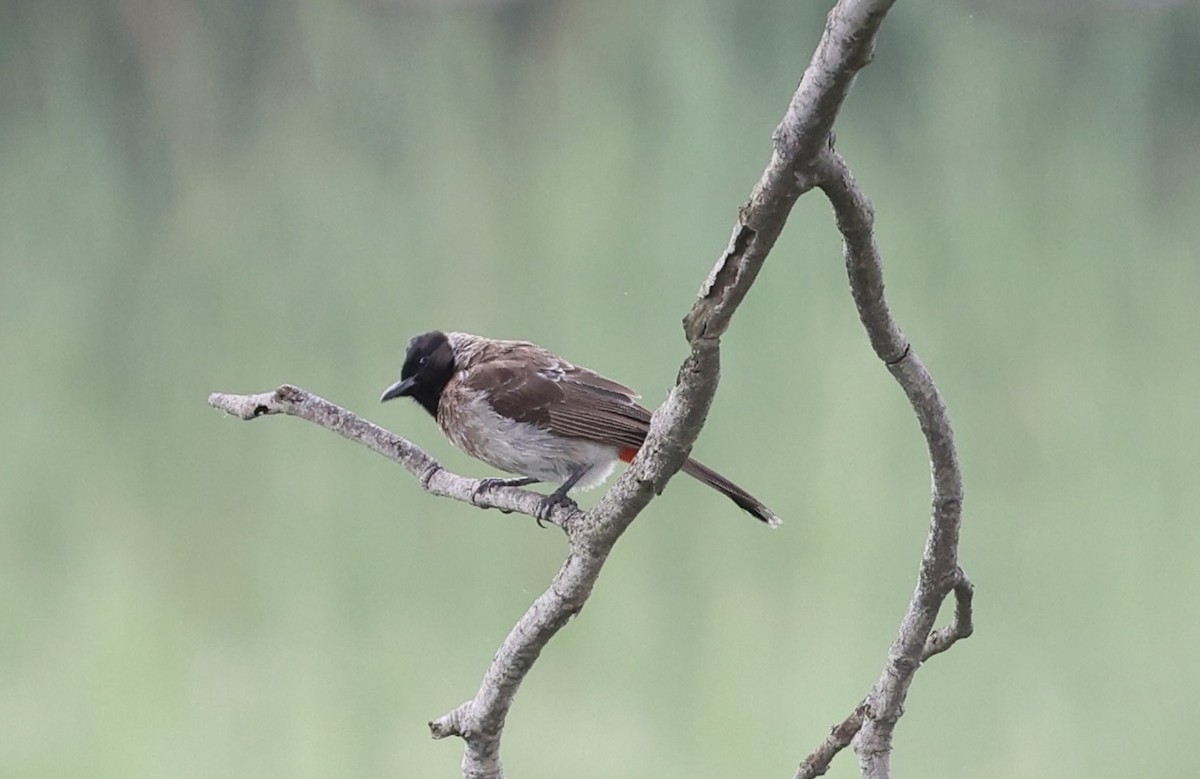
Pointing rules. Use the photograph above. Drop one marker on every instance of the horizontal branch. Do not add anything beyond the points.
(433, 478)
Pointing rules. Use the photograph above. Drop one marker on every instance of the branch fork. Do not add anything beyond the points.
(803, 158)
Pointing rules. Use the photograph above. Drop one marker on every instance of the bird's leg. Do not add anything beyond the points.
(559, 496)
(488, 484)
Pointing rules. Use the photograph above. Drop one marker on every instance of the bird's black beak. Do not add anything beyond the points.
(399, 389)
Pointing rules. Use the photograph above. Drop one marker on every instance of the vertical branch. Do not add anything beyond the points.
(939, 573)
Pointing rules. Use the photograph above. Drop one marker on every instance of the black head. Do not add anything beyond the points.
(428, 365)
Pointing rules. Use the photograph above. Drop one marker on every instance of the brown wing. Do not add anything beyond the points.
(529, 384)
(589, 411)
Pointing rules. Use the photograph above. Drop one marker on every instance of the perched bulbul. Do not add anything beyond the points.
(525, 410)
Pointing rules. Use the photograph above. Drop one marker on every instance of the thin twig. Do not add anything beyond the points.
(962, 626)
(840, 736)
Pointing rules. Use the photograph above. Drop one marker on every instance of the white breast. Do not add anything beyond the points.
(519, 447)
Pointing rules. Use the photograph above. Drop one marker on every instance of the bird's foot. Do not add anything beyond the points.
(489, 484)
(549, 502)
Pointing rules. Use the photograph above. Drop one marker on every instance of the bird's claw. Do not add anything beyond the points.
(547, 505)
(484, 485)
(491, 482)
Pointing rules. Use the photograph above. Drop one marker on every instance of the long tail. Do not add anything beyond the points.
(745, 500)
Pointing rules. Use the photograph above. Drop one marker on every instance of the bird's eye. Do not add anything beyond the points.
(421, 362)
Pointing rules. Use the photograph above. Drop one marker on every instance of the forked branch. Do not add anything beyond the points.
(802, 157)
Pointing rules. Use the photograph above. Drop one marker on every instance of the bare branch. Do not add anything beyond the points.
(960, 627)
(803, 157)
(846, 46)
(939, 572)
(432, 477)
(840, 736)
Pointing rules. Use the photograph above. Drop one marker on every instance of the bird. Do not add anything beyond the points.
(524, 410)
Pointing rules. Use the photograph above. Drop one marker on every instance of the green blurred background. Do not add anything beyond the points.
(202, 196)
